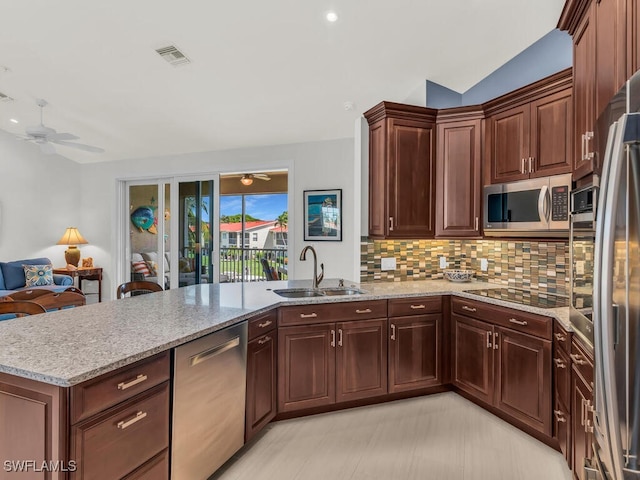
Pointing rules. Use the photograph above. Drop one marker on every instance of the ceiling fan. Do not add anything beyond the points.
(45, 136)
(247, 178)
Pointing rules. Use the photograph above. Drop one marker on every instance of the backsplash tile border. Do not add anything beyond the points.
(525, 264)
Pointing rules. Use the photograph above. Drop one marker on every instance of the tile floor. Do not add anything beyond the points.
(439, 437)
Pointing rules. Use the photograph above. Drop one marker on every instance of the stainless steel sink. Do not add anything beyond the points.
(341, 291)
(299, 292)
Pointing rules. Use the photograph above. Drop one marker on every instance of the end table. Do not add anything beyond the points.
(84, 273)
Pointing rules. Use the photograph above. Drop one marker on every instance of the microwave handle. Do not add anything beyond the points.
(543, 203)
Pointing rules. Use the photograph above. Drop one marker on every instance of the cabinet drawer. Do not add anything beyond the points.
(112, 388)
(400, 307)
(582, 361)
(518, 320)
(332, 312)
(155, 469)
(115, 443)
(262, 324)
(561, 337)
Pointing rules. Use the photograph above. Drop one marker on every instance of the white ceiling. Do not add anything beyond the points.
(263, 72)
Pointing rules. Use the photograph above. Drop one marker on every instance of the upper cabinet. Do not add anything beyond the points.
(401, 171)
(458, 172)
(605, 54)
(529, 131)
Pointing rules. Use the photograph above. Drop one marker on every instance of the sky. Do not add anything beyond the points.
(264, 207)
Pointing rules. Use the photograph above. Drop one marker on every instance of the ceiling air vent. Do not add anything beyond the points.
(5, 98)
(172, 55)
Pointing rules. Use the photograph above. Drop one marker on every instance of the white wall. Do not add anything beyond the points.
(40, 196)
(317, 165)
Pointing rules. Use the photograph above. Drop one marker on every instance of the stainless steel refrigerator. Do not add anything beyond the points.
(616, 300)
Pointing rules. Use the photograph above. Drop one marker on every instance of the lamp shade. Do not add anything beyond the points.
(72, 237)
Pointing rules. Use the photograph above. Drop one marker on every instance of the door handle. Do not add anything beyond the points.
(488, 339)
(391, 224)
(577, 359)
(559, 363)
(339, 337)
(522, 167)
(495, 341)
(531, 164)
(393, 332)
(333, 338)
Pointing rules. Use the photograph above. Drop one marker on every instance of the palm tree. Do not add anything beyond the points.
(281, 221)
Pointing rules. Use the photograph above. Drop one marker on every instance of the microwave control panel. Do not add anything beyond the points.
(560, 203)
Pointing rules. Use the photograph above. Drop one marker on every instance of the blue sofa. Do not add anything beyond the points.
(12, 277)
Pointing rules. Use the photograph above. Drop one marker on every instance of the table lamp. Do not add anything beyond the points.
(73, 238)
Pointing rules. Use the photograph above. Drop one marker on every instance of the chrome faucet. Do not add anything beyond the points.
(316, 278)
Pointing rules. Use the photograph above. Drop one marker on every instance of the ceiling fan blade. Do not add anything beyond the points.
(61, 136)
(262, 176)
(79, 146)
(47, 148)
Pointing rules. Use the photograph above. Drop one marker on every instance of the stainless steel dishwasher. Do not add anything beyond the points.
(208, 402)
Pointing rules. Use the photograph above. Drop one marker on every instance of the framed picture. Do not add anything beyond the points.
(323, 215)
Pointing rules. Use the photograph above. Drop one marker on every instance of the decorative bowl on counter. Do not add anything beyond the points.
(458, 275)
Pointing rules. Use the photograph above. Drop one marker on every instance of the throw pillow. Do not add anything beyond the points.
(36, 275)
(153, 267)
(141, 267)
(184, 265)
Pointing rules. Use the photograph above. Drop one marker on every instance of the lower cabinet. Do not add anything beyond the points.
(262, 357)
(581, 408)
(415, 343)
(504, 367)
(562, 418)
(333, 362)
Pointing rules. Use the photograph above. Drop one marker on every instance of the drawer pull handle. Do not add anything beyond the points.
(559, 416)
(469, 309)
(577, 359)
(366, 310)
(136, 418)
(265, 324)
(518, 322)
(139, 379)
(264, 340)
(560, 337)
(559, 363)
(417, 307)
(393, 332)
(308, 315)
(333, 338)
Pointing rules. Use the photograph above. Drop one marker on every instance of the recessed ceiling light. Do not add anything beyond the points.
(332, 17)
(13, 120)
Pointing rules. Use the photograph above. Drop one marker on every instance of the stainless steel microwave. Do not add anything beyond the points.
(535, 207)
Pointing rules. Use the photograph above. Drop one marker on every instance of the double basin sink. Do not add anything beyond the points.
(317, 292)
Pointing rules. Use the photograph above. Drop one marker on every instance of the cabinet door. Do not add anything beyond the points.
(551, 135)
(509, 132)
(473, 357)
(610, 39)
(306, 366)
(523, 378)
(361, 359)
(261, 383)
(458, 182)
(411, 170)
(582, 398)
(414, 352)
(378, 222)
(584, 75)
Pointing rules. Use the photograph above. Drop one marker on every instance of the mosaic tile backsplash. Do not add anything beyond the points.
(520, 264)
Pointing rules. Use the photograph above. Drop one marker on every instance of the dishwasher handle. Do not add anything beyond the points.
(214, 351)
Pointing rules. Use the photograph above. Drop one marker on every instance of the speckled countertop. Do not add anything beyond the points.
(70, 346)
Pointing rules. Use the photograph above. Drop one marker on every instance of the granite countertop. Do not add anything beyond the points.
(70, 346)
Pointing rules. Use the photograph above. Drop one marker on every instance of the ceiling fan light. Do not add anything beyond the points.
(246, 180)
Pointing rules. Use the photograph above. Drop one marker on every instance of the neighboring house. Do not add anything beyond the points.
(256, 234)
(277, 238)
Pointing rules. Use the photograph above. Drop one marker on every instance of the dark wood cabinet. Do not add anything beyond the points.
(473, 357)
(529, 130)
(361, 359)
(401, 171)
(458, 172)
(562, 414)
(507, 368)
(306, 366)
(415, 343)
(322, 362)
(262, 358)
(581, 408)
(523, 378)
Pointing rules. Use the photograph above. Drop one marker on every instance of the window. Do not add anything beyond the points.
(255, 237)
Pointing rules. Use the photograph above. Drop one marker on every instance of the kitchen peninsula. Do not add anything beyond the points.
(50, 364)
